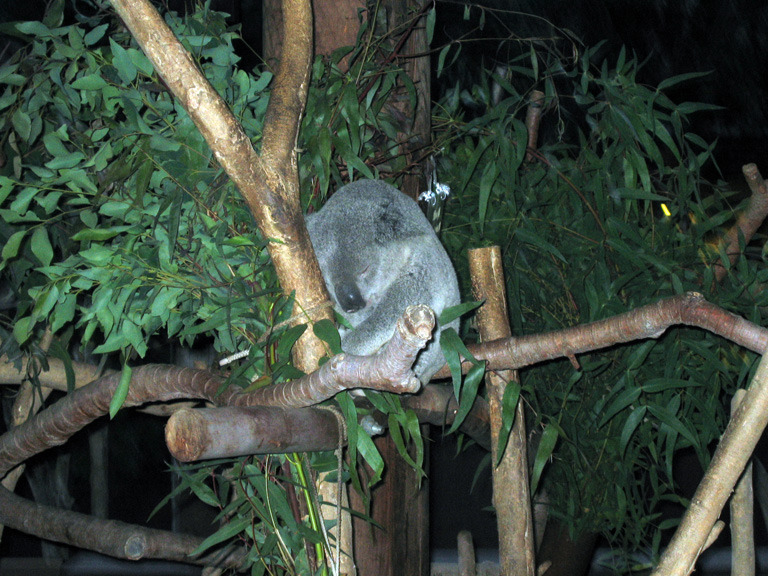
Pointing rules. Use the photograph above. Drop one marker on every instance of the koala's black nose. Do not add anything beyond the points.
(349, 298)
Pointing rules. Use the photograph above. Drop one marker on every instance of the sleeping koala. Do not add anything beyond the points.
(378, 255)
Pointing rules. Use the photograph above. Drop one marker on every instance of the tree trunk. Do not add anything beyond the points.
(336, 25)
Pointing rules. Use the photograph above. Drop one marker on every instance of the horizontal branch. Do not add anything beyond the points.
(389, 370)
(224, 432)
(437, 405)
(110, 537)
(651, 321)
(205, 433)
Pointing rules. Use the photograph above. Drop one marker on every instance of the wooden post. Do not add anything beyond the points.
(511, 494)
(400, 505)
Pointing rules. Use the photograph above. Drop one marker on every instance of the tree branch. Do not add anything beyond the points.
(226, 432)
(270, 184)
(110, 537)
(511, 485)
(730, 458)
(651, 321)
(749, 219)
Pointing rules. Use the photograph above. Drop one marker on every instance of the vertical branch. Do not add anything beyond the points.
(749, 219)
(511, 496)
(742, 516)
(467, 565)
(533, 121)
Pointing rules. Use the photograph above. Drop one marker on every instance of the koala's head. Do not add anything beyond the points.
(363, 237)
(359, 276)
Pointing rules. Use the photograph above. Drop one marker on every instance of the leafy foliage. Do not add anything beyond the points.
(115, 221)
(120, 232)
(585, 237)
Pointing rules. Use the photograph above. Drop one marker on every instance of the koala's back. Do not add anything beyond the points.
(371, 238)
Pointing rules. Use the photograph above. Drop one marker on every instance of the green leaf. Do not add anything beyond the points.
(6, 187)
(22, 329)
(543, 454)
(98, 255)
(431, 18)
(469, 390)
(395, 432)
(624, 400)
(98, 234)
(54, 13)
(41, 246)
(96, 34)
(450, 314)
(68, 161)
(673, 422)
(121, 393)
(328, 333)
(22, 123)
(289, 338)
(21, 204)
(453, 349)
(123, 62)
(669, 82)
(63, 313)
(229, 530)
(529, 237)
(56, 350)
(11, 248)
(89, 82)
(371, 455)
(508, 412)
(33, 29)
(487, 180)
(633, 421)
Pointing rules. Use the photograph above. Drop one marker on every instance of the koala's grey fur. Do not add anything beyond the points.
(378, 255)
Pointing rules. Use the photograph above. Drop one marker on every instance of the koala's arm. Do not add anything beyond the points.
(421, 281)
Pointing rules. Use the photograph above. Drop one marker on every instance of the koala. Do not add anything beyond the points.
(378, 255)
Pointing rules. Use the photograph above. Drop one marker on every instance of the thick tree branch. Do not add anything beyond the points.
(389, 370)
(269, 184)
(109, 537)
(227, 432)
(511, 486)
(205, 433)
(742, 514)
(749, 219)
(651, 321)
(728, 463)
(15, 372)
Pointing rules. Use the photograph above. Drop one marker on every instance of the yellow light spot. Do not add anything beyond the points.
(665, 210)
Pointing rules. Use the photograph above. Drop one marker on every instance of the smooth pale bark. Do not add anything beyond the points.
(511, 486)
